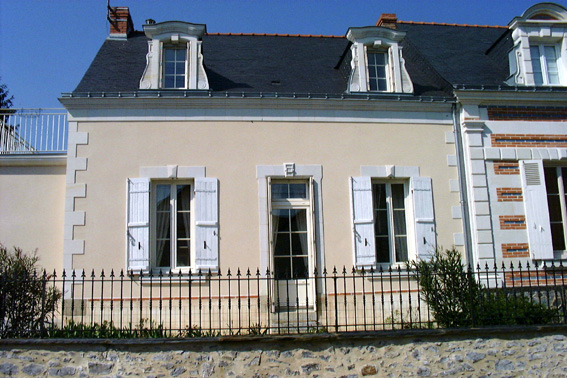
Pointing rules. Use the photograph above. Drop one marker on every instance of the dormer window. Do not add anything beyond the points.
(174, 59)
(377, 67)
(377, 64)
(174, 67)
(544, 64)
(539, 55)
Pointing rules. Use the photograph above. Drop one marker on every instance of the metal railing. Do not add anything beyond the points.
(246, 302)
(33, 131)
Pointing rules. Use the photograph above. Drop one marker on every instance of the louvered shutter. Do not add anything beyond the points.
(206, 224)
(425, 237)
(537, 213)
(138, 233)
(363, 221)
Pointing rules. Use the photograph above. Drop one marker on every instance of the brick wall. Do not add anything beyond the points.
(509, 194)
(528, 140)
(515, 250)
(506, 168)
(512, 222)
(529, 113)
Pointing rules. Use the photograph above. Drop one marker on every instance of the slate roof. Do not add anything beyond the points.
(437, 57)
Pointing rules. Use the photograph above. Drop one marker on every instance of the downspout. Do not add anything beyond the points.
(464, 194)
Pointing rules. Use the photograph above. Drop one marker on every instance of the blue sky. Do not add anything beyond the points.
(46, 46)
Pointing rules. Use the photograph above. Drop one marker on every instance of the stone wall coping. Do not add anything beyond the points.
(485, 332)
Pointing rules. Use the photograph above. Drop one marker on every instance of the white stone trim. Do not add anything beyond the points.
(73, 190)
(165, 172)
(389, 171)
(278, 171)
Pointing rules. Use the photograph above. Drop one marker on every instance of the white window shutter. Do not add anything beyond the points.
(537, 213)
(206, 224)
(138, 233)
(363, 221)
(425, 237)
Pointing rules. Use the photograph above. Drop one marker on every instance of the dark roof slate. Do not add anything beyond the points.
(436, 56)
(459, 53)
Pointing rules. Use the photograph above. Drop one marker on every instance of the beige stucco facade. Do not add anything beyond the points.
(32, 194)
(231, 150)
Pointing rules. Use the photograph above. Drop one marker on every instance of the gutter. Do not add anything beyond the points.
(464, 194)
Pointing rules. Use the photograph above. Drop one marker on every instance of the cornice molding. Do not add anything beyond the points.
(33, 160)
(484, 97)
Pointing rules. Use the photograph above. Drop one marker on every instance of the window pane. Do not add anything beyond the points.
(379, 192)
(551, 180)
(183, 226)
(169, 55)
(382, 85)
(381, 223)
(297, 191)
(169, 68)
(299, 244)
(382, 249)
(163, 253)
(536, 65)
(281, 244)
(183, 254)
(554, 208)
(557, 237)
(398, 196)
(163, 193)
(401, 249)
(280, 191)
(373, 85)
(180, 68)
(183, 197)
(298, 220)
(300, 267)
(381, 72)
(280, 220)
(282, 268)
(380, 58)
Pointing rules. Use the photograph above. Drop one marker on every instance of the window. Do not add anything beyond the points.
(393, 219)
(174, 67)
(390, 229)
(556, 185)
(173, 225)
(171, 230)
(376, 62)
(377, 67)
(544, 64)
(291, 225)
(175, 56)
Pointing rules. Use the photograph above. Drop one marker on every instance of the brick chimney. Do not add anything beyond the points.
(387, 20)
(120, 22)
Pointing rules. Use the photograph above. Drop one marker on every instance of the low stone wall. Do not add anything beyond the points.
(507, 352)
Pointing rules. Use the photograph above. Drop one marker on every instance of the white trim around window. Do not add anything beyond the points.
(266, 172)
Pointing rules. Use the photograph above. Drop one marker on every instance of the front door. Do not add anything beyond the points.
(292, 244)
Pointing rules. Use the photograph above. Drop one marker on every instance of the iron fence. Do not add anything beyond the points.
(251, 302)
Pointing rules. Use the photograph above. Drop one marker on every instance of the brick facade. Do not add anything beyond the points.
(506, 168)
(528, 140)
(512, 222)
(514, 250)
(509, 194)
(528, 113)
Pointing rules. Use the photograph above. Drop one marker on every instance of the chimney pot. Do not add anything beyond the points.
(387, 20)
(150, 21)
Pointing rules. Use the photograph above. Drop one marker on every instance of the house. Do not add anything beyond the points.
(194, 151)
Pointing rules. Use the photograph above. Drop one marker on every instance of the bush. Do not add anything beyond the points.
(27, 301)
(457, 299)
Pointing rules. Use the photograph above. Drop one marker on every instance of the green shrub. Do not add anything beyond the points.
(27, 300)
(457, 299)
(107, 330)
